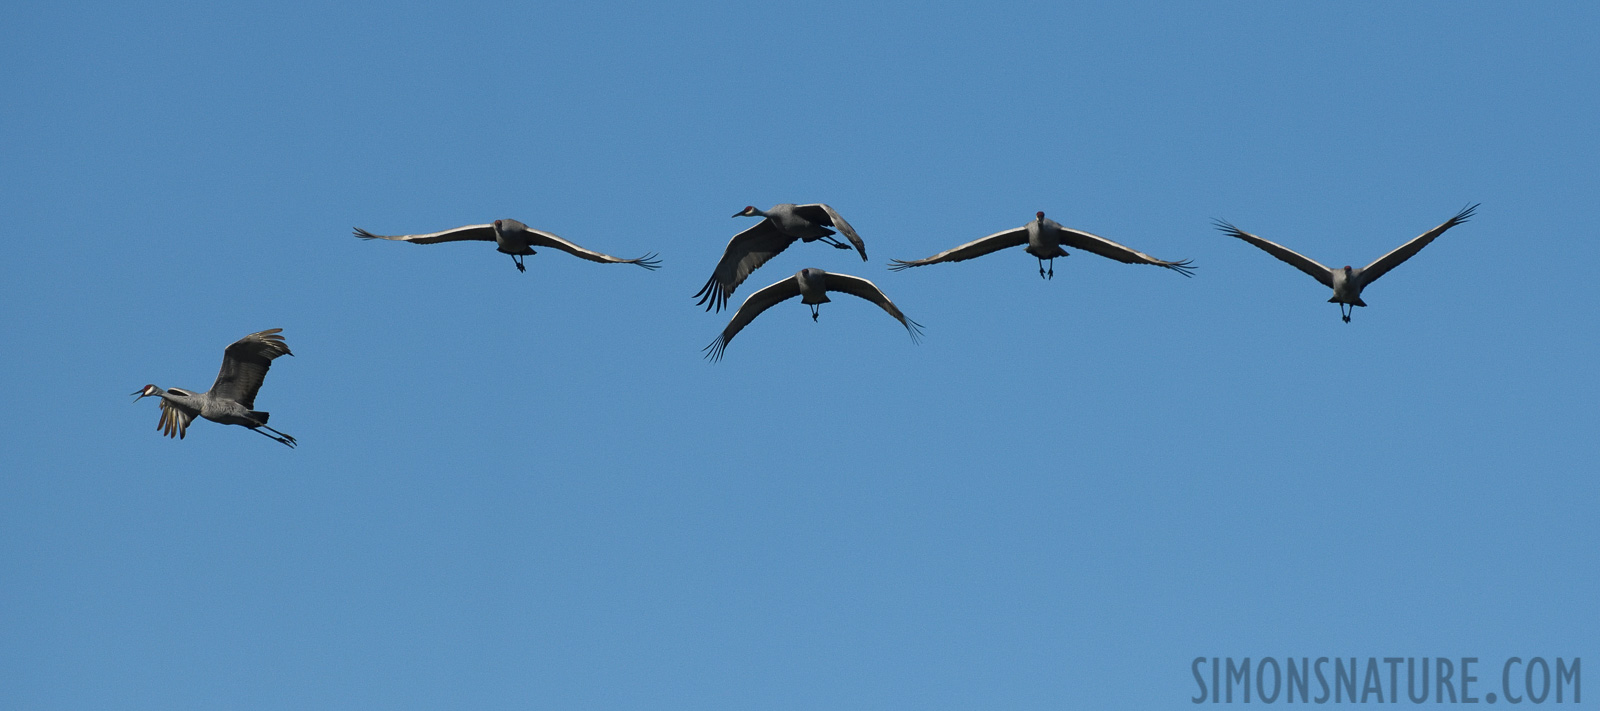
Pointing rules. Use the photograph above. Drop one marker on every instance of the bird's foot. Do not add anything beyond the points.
(520, 266)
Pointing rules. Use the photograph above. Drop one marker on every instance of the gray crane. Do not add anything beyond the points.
(515, 239)
(231, 399)
(1346, 282)
(812, 286)
(1044, 238)
(783, 224)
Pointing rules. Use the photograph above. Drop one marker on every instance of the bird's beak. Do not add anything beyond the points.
(140, 393)
(739, 213)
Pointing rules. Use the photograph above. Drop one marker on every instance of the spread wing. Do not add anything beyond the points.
(856, 286)
(747, 251)
(976, 248)
(545, 239)
(245, 364)
(175, 419)
(752, 307)
(822, 214)
(1296, 259)
(1406, 251)
(482, 233)
(1106, 248)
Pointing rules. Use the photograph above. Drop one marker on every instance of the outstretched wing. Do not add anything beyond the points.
(482, 233)
(1111, 250)
(856, 286)
(976, 248)
(545, 239)
(245, 364)
(1296, 259)
(822, 214)
(752, 307)
(1409, 249)
(747, 251)
(175, 419)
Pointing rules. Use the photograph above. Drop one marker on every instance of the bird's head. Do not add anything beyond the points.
(748, 211)
(1039, 216)
(1347, 270)
(146, 391)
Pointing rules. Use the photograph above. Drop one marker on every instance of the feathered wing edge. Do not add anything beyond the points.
(174, 420)
(1014, 237)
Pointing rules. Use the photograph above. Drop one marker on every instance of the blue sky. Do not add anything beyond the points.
(530, 491)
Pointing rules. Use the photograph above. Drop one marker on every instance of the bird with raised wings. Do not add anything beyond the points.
(516, 239)
(1044, 238)
(812, 286)
(778, 229)
(1348, 282)
(232, 397)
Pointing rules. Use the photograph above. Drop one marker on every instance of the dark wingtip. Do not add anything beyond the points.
(1185, 267)
(649, 261)
(363, 234)
(711, 295)
(714, 350)
(1466, 213)
(896, 265)
(915, 329)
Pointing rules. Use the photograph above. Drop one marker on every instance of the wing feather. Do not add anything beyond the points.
(245, 364)
(1111, 250)
(175, 419)
(1406, 251)
(481, 233)
(856, 286)
(1289, 256)
(823, 214)
(546, 239)
(750, 309)
(976, 248)
(746, 252)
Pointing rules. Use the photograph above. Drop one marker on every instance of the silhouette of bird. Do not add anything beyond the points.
(812, 285)
(1346, 282)
(515, 239)
(751, 248)
(232, 397)
(1044, 238)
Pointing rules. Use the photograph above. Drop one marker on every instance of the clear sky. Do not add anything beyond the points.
(522, 491)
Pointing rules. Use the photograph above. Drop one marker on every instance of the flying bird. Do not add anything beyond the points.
(515, 239)
(231, 399)
(750, 249)
(812, 286)
(1044, 238)
(1347, 282)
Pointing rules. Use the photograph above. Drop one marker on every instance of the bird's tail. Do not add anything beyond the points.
(258, 416)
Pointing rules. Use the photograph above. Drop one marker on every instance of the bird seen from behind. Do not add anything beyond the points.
(516, 239)
(1347, 282)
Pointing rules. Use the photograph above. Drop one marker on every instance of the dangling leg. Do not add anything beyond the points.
(1052, 273)
(281, 438)
(1041, 269)
(1344, 314)
(830, 240)
(518, 259)
(814, 308)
